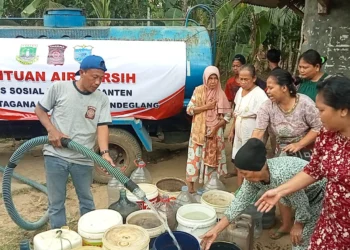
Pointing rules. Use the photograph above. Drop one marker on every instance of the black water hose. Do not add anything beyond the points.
(68, 143)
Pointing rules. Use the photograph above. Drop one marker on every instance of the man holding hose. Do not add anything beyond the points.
(262, 174)
(80, 113)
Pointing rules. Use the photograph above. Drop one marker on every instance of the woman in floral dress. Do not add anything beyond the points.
(331, 160)
(293, 117)
(211, 111)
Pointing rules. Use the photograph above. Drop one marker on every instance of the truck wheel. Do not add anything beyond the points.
(123, 149)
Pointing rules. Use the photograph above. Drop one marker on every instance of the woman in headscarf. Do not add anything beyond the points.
(263, 174)
(211, 111)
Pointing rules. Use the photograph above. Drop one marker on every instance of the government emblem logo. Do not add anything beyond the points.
(27, 54)
(56, 54)
(82, 51)
(90, 113)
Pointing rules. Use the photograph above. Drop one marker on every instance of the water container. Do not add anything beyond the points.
(57, 239)
(198, 195)
(113, 188)
(93, 225)
(126, 237)
(183, 198)
(141, 174)
(219, 200)
(124, 206)
(170, 186)
(167, 211)
(241, 232)
(224, 246)
(214, 183)
(87, 248)
(24, 245)
(64, 18)
(148, 220)
(195, 219)
(257, 218)
(185, 240)
(151, 192)
(269, 218)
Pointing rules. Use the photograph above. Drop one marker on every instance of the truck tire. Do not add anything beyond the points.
(124, 149)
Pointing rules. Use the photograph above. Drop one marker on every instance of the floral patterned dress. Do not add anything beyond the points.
(196, 167)
(331, 159)
(290, 127)
(307, 202)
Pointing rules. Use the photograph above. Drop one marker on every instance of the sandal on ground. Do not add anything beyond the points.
(277, 234)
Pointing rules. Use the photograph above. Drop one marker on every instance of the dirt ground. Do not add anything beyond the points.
(165, 161)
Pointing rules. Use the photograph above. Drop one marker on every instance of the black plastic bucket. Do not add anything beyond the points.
(224, 246)
(185, 240)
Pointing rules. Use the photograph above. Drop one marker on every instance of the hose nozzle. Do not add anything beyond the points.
(135, 189)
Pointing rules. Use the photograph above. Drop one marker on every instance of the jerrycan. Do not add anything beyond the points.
(241, 232)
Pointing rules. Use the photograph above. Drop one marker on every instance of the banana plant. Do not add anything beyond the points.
(102, 10)
(36, 5)
(244, 28)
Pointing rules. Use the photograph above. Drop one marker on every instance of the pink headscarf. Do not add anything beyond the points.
(217, 94)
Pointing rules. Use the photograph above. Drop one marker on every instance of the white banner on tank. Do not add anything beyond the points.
(144, 79)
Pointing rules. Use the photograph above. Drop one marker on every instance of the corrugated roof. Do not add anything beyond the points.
(274, 3)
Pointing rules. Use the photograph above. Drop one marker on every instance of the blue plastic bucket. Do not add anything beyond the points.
(186, 242)
(224, 246)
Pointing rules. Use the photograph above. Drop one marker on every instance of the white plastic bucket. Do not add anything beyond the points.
(170, 186)
(88, 248)
(93, 225)
(151, 192)
(219, 200)
(140, 218)
(126, 237)
(195, 219)
(53, 239)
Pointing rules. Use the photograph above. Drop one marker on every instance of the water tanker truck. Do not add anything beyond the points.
(151, 74)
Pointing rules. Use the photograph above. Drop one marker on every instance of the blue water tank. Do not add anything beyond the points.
(63, 18)
(69, 24)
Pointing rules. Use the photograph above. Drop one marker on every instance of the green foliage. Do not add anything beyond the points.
(39, 5)
(241, 28)
(244, 29)
(2, 4)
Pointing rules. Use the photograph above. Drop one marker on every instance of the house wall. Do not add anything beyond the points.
(329, 34)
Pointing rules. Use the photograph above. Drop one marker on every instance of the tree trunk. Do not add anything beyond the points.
(185, 7)
(301, 43)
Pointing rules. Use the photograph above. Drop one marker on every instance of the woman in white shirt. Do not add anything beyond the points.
(248, 100)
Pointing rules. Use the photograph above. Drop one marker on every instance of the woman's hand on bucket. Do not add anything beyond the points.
(208, 239)
(211, 235)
